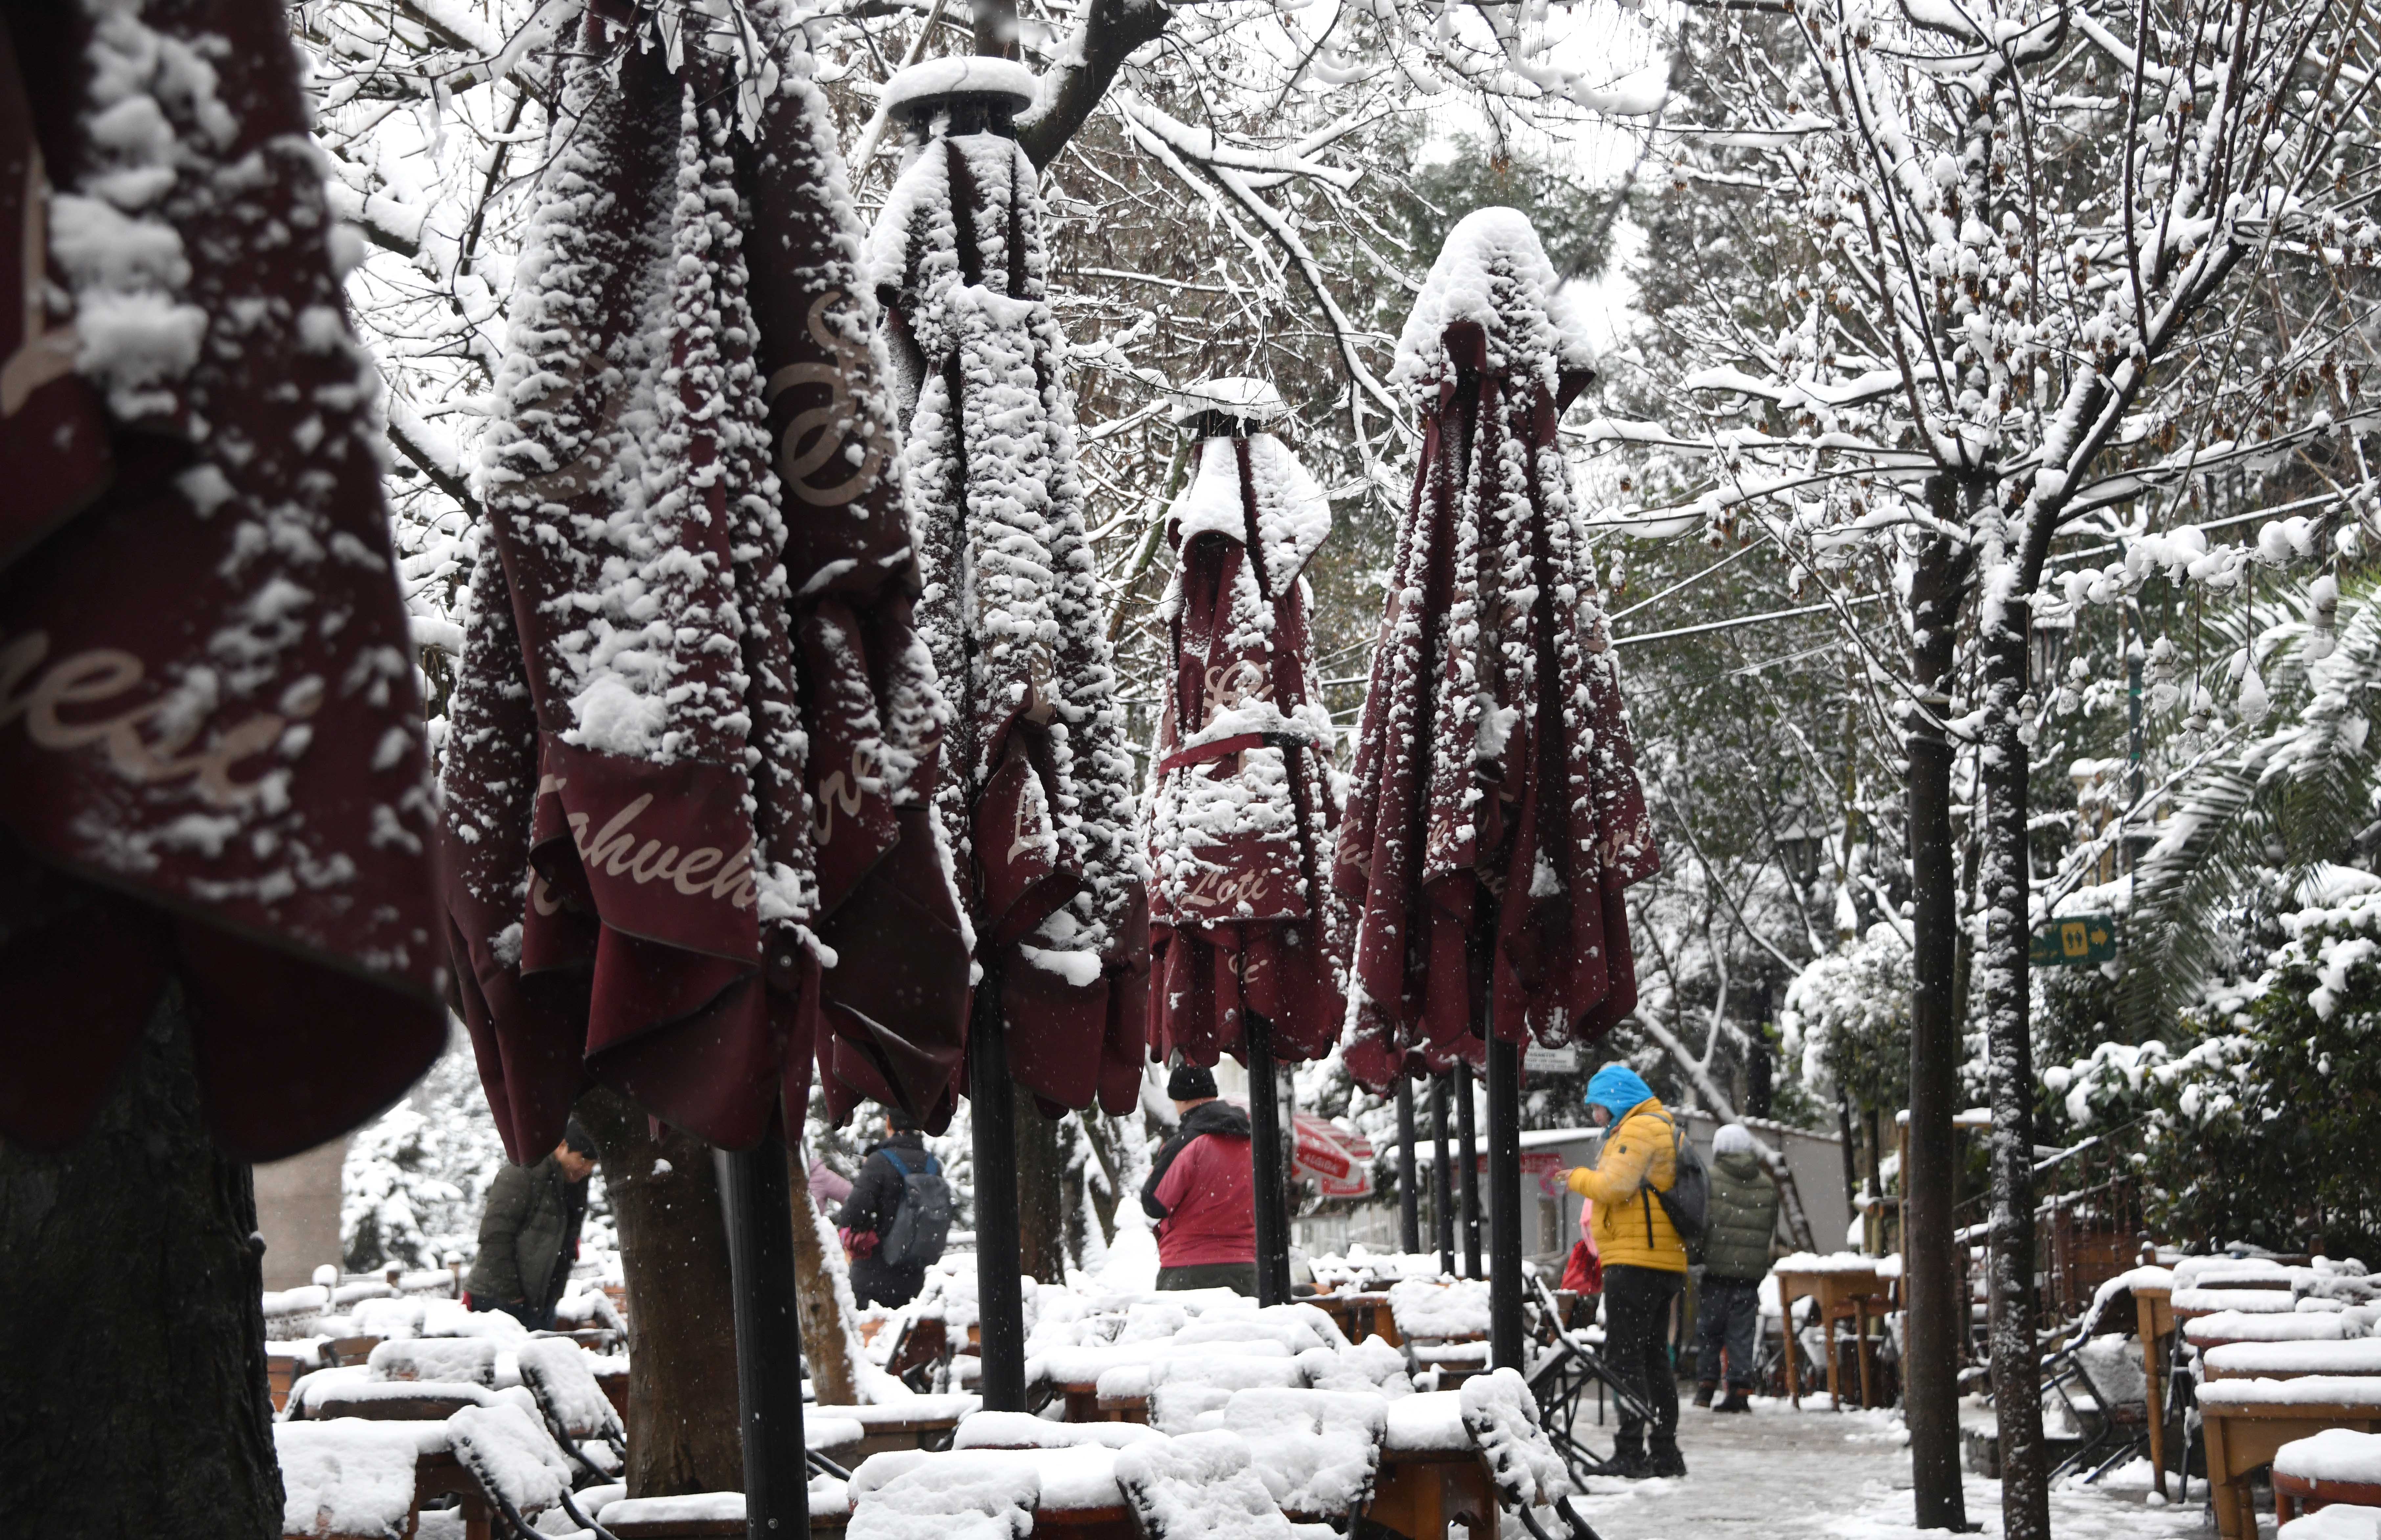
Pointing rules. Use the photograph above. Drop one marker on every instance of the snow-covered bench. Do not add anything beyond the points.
(1318, 1452)
(1454, 1456)
(1200, 1486)
(2334, 1466)
(2247, 1420)
(1065, 1493)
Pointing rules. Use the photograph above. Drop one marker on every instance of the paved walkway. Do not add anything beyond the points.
(1838, 1474)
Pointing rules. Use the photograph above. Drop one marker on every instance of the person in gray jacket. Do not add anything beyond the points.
(1736, 1258)
(529, 1234)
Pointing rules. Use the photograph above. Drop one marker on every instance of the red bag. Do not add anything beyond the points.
(1583, 1274)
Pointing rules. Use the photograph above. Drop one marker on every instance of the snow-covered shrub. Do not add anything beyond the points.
(1846, 1020)
(2265, 1129)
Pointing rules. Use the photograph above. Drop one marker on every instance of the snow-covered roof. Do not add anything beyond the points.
(960, 75)
(1493, 273)
(1251, 400)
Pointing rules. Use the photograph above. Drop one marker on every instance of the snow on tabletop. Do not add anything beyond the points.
(468, 1360)
(1201, 1487)
(2143, 1277)
(965, 1495)
(2359, 1356)
(2335, 1454)
(1151, 1321)
(1452, 1354)
(2199, 1272)
(346, 1477)
(2246, 1302)
(1228, 1373)
(1022, 1430)
(2230, 1325)
(695, 1508)
(305, 1354)
(1093, 1363)
(1317, 1452)
(562, 1376)
(926, 1409)
(511, 1455)
(1296, 1327)
(1371, 1364)
(824, 1430)
(1428, 1422)
(1502, 1417)
(2338, 1521)
(388, 1319)
(450, 1319)
(360, 1389)
(2313, 1390)
(1489, 250)
(1834, 1262)
(1425, 1309)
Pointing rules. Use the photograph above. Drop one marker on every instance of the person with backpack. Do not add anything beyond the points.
(1634, 1184)
(1202, 1192)
(898, 1216)
(1736, 1258)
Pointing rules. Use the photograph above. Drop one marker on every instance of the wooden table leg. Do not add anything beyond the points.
(1834, 1393)
(1793, 1382)
(2146, 1322)
(2219, 1481)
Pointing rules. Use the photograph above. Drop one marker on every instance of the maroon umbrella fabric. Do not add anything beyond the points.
(1241, 807)
(1494, 818)
(694, 738)
(210, 756)
(1038, 796)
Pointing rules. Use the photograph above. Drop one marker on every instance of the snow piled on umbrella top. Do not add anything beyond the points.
(1293, 517)
(1493, 273)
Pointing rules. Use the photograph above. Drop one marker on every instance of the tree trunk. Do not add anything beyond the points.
(1040, 1208)
(132, 1342)
(827, 1335)
(1936, 1320)
(682, 1428)
(2017, 1368)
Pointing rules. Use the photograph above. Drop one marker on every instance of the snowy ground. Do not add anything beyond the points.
(1841, 1474)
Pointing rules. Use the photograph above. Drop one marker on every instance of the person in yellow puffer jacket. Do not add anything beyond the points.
(1644, 1261)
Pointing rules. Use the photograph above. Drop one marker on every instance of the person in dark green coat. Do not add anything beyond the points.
(529, 1234)
(1743, 1218)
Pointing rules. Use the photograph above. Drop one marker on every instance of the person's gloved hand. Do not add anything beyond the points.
(858, 1243)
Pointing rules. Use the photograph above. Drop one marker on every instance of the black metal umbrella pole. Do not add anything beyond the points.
(1466, 1139)
(1504, 1204)
(1442, 1208)
(1267, 1159)
(757, 1201)
(1409, 1199)
(999, 1257)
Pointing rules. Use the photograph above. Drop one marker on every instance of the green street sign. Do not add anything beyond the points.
(2077, 941)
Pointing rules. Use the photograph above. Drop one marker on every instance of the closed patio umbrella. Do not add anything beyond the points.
(694, 739)
(1038, 788)
(1496, 816)
(1245, 935)
(212, 766)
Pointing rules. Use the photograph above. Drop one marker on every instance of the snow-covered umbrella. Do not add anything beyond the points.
(1495, 817)
(694, 738)
(1245, 934)
(1038, 789)
(211, 750)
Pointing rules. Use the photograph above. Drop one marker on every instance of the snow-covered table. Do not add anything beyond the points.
(1849, 1287)
(1361, 1313)
(1432, 1474)
(919, 1422)
(2247, 1422)
(2335, 1466)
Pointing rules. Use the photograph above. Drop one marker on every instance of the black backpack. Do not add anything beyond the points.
(1688, 1203)
(922, 1223)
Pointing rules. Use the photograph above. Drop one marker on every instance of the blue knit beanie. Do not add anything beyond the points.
(1616, 1088)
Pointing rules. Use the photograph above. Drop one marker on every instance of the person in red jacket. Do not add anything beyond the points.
(1201, 1194)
